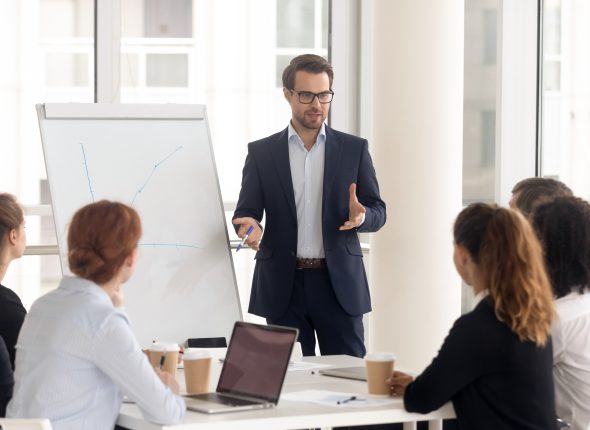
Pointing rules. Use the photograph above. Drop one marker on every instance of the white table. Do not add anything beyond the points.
(296, 415)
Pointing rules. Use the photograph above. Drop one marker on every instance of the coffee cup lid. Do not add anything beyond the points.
(195, 354)
(162, 346)
(380, 356)
(156, 346)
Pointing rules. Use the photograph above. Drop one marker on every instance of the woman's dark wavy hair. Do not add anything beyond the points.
(563, 226)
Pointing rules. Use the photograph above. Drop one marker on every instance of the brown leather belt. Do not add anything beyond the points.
(310, 263)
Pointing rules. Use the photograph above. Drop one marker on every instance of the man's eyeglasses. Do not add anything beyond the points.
(306, 98)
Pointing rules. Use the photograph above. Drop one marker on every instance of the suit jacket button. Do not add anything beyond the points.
(292, 253)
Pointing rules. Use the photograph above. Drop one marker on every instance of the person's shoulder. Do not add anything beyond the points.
(574, 306)
(484, 311)
(116, 319)
(80, 301)
(9, 296)
(482, 314)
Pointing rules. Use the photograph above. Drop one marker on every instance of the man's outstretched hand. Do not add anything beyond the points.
(356, 211)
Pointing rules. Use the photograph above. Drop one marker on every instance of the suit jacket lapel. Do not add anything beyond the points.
(280, 155)
(331, 163)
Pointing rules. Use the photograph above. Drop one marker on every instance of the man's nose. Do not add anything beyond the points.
(316, 102)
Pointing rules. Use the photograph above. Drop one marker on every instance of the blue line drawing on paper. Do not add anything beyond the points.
(158, 164)
(86, 169)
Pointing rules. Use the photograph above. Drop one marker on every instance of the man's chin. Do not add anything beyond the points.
(313, 125)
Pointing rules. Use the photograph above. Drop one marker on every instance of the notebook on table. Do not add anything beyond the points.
(253, 371)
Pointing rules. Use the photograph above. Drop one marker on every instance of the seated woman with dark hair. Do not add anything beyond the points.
(76, 354)
(563, 226)
(495, 364)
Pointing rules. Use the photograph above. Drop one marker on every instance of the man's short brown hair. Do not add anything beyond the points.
(310, 63)
(531, 192)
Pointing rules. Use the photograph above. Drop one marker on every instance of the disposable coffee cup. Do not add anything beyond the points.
(154, 353)
(197, 367)
(379, 369)
(164, 356)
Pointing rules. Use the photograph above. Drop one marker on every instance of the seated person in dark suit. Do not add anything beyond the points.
(495, 365)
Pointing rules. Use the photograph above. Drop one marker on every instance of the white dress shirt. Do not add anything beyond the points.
(76, 357)
(307, 173)
(571, 359)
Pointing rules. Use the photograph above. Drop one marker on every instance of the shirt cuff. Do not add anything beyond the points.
(362, 220)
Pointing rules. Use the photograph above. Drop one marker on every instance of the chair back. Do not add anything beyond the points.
(25, 424)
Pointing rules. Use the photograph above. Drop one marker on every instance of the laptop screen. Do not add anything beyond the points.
(256, 361)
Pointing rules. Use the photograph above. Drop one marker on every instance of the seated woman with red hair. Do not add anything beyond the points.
(76, 354)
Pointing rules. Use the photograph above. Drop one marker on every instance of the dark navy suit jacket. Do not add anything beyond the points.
(267, 188)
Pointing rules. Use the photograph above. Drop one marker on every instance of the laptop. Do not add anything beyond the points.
(253, 370)
(359, 373)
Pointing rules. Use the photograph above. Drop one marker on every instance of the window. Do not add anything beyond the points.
(565, 140)
(228, 55)
(479, 110)
(479, 106)
(224, 54)
(48, 57)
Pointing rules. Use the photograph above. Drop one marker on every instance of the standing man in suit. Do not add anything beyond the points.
(316, 188)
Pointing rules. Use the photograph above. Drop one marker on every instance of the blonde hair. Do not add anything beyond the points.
(510, 259)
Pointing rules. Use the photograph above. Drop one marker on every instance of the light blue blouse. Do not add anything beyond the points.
(76, 357)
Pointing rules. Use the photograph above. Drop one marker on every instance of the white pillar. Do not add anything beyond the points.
(417, 120)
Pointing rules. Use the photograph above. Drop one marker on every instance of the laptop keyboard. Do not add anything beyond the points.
(225, 400)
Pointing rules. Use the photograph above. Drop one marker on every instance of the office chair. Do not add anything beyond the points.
(25, 424)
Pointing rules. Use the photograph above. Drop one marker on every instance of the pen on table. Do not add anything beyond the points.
(250, 230)
(349, 399)
(162, 360)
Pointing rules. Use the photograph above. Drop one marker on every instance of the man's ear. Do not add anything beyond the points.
(286, 94)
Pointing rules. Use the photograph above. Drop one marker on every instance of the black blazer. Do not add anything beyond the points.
(494, 380)
(267, 188)
(6, 378)
(12, 316)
